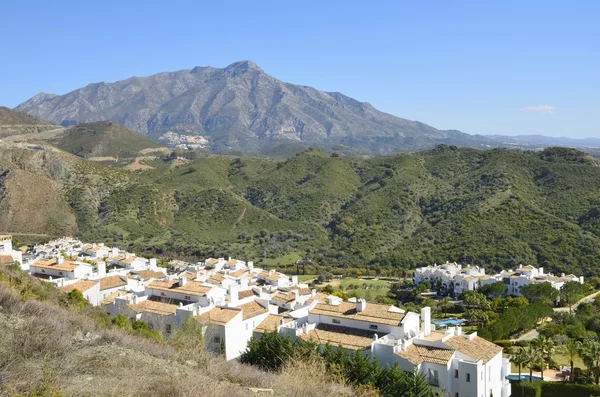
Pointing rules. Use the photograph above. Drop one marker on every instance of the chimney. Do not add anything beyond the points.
(541, 271)
(152, 263)
(115, 251)
(182, 281)
(361, 304)
(101, 269)
(94, 245)
(294, 280)
(233, 293)
(250, 265)
(313, 292)
(458, 330)
(60, 260)
(426, 320)
(375, 337)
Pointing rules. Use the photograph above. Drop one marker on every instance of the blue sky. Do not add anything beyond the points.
(488, 67)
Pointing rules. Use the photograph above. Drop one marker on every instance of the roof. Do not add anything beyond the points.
(246, 294)
(4, 259)
(283, 297)
(232, 262)
(238, 273)
(216, 278)
(417, 354)
(373, 313)
(112, 297)
(476, 348)
(150, 306)
(218, 315)
(271, 323)
(211, 261)
(148, 274)
(190, 288)
(319, 296)
(111, 282)
(252, 309)
(66, 266)
(81, 285)
(336, 335)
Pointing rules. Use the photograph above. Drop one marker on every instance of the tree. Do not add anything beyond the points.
(494, 290)
(269, 353)
(417, 384)
(541, 292)
(122, 322)
(533, 359)
(445, 304)
(571, 351)
(520, 359)
(571, 292)
(75, 298)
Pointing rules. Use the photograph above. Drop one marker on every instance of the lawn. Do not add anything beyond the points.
(559, 358)
(290, 258)
(367, 289)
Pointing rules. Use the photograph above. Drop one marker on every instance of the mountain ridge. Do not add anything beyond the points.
(240, 107)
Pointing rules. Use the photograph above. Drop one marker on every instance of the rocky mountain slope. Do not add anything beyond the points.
(497, 208)
(240, 107)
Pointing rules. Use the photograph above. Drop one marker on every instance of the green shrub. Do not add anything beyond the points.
(526, 389)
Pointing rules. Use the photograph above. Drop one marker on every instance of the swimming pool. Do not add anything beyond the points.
(523, 377)
(449, 321)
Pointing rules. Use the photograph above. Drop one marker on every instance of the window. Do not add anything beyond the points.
(168, 328)
(246, 326)
(187, 298)
(60, 273)
(217, 339)
(163, 294)
(456, 373)
(456, 395)
(468, 377)
(335, 321)
(433, 377)
(372, 326)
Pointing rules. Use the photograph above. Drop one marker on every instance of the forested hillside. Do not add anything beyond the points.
(497, 208)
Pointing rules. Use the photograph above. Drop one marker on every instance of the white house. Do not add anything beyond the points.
(90, 289)
(462, 365)
(7, 254)
(59, 268)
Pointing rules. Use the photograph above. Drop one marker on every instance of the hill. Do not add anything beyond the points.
(101, 139)
(498, 208)
(240, 108)
(68, 348)
(13, 122)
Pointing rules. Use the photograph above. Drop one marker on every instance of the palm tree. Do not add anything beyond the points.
(534, 357)
(587, 351)
(571, 350)
(445, 303)
(520, 359)
(546, 346)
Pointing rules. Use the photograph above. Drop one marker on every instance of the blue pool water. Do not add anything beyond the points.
(523, 377)
(449, 321)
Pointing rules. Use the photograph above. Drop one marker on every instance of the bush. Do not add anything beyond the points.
(525, 389)
(505, 343)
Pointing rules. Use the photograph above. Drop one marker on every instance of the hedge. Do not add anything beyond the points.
(553, 389)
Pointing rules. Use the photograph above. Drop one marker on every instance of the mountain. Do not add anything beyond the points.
(240, 108)
(498, 208)
(101, 139)
(13, 122)
(546, 141)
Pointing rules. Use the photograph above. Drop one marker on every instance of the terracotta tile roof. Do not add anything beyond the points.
(335, 335)
(81, 285)
(319, 296)
(252, 309)
(188, 275)
(190, 288)
(148, 274)
(66, 266)
(211, 261)
(270, 324)
(417, 354)
(246, 294)
(216, 278)
(150, 306)
(232, 262)
(112, 297)
(218, 315)
(238, 273)
(5, 259)
(373, 313)
(477, 348)
(283, 297)
(111, 282)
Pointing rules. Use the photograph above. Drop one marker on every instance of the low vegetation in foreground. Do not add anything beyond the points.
(54, 345)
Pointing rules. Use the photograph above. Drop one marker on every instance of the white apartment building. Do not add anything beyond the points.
(458, 278)
(462, 365)
(7, 254)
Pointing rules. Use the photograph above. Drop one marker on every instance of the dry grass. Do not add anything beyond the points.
(40, 356)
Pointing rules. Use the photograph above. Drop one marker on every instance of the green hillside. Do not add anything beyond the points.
(496, 208)
(101, 139)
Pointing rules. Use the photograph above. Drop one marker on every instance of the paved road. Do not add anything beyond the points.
(587, 299)
(529, 335)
